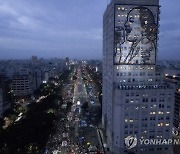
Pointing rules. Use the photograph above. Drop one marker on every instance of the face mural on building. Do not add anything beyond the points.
(135, 37)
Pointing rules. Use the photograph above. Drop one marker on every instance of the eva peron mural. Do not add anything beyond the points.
(135, 36)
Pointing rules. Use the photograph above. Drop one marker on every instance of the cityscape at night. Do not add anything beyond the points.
(89, 77)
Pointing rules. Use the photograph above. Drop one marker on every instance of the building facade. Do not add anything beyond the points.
(177, 110)
(174, 80)
(21, 85)
(136, 100)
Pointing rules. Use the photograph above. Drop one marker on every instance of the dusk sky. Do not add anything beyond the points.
(71, 28)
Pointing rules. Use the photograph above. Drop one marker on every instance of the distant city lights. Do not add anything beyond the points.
(78, 103)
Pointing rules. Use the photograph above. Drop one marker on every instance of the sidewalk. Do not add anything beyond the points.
(102, 140)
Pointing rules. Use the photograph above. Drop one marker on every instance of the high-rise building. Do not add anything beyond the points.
(177, 110)
(136, 100)
(174, 80)
(34, 59)
(37, 78)
(67, 63)
(21, 85)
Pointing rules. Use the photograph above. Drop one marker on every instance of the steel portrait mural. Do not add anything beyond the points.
(135, 38)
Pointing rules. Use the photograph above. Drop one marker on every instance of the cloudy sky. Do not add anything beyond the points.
(70, 28)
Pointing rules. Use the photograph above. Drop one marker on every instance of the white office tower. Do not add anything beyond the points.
(136, 101)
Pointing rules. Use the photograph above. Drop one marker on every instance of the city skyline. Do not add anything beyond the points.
(79, 77)
(60, 29)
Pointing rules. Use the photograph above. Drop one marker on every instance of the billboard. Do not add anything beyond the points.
(135, 34)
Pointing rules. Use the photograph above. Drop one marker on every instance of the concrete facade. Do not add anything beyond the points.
(136, 101)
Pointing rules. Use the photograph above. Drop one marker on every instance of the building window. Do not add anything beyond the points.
(137, 94)
(159, 149)
(131, 120)
(127, 100)
(124, 74)
(145, 99)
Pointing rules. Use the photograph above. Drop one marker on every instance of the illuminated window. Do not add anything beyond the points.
(130, 120)
(132, 101)
(160, 112)
(152, 112)
(160, 124)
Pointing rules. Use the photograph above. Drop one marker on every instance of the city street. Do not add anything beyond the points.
(76, 129)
